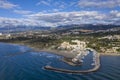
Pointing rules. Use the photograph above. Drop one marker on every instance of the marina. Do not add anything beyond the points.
(29, 66)
(96, 63)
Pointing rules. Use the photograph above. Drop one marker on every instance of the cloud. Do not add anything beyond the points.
(57, 4)
(43, 3)
(55, 10)
(60, 5)
(63, 18)
(99, 3)
(7, 5)
(114, 16)
(115, 13)
(12, 22)
(22, 12)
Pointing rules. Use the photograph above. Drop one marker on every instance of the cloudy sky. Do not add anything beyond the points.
(58, 12)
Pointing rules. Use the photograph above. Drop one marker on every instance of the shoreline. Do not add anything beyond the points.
(109, 54)
(54, 51)
(58, 52)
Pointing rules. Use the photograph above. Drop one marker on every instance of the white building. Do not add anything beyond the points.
(65, 45)
(80, 45)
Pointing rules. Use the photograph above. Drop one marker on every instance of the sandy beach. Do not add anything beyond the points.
(69, 54)
(109, 54)
(65, 54)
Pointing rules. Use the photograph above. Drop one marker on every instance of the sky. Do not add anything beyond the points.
(53, 13)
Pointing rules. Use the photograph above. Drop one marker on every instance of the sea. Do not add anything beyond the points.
(19, 62)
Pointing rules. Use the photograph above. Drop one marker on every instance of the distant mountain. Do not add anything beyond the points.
(22, 28)
(89, 27)
(59, 28)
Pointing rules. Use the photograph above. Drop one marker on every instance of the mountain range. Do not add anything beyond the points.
(93, 27)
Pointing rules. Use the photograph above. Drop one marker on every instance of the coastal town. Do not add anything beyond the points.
(73, 45)
(105, 44)
(77, 47)
(81, 49)
(59, 39)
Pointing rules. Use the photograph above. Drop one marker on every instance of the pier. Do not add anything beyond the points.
(95, 68)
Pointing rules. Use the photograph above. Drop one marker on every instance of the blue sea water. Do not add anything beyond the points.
(21, 63)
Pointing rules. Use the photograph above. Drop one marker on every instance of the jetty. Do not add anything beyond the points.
(96, 56)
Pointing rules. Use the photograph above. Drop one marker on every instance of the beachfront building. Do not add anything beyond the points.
(112, 50)
(65, 45)
(75, 46)
(109, 50)
(79, 45)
